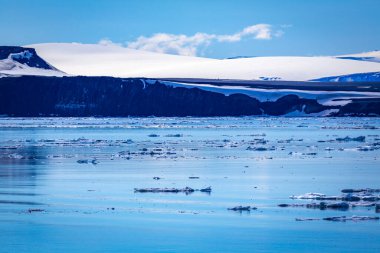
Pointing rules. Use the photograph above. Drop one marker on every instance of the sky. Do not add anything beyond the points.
(208, 28)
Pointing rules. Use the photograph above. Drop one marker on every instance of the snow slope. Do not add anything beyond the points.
(117, 61)
(111, 60)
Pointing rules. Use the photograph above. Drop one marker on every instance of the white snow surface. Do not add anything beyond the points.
(324, 113)
(118, 61)
(112, 60)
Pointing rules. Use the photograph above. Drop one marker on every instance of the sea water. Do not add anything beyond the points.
(67, 184)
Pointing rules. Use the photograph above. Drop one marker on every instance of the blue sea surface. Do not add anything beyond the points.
(67, 184)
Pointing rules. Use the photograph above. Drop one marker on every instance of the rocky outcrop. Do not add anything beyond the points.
(291, 103)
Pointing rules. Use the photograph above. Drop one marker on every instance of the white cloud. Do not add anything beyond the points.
(259, 32)
(172, 43)
(108, 42)
(189, 45)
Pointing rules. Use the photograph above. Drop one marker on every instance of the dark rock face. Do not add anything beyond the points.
(24, 55)
(360, 107)
(290, 103)
(119, 97)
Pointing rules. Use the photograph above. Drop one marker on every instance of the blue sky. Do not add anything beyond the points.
(296, 27)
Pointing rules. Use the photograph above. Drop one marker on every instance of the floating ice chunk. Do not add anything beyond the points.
(307, 219)
(310, 195)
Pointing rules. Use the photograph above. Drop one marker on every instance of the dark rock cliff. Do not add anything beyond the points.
(107, 96)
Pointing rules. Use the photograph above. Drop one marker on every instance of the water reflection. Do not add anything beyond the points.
(13, 202)
(19, 172)
(18, 167)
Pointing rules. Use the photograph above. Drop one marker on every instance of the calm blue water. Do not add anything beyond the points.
(92, 207)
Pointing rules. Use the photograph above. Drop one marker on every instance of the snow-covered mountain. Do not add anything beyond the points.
(16, 61)
(118, 61)
(95, 84)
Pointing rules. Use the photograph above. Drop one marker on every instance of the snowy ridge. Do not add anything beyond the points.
(118, 61)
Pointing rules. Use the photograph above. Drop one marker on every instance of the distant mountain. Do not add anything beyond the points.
(371, 59)
(373, 56)
(359, 77)
(24, 61)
